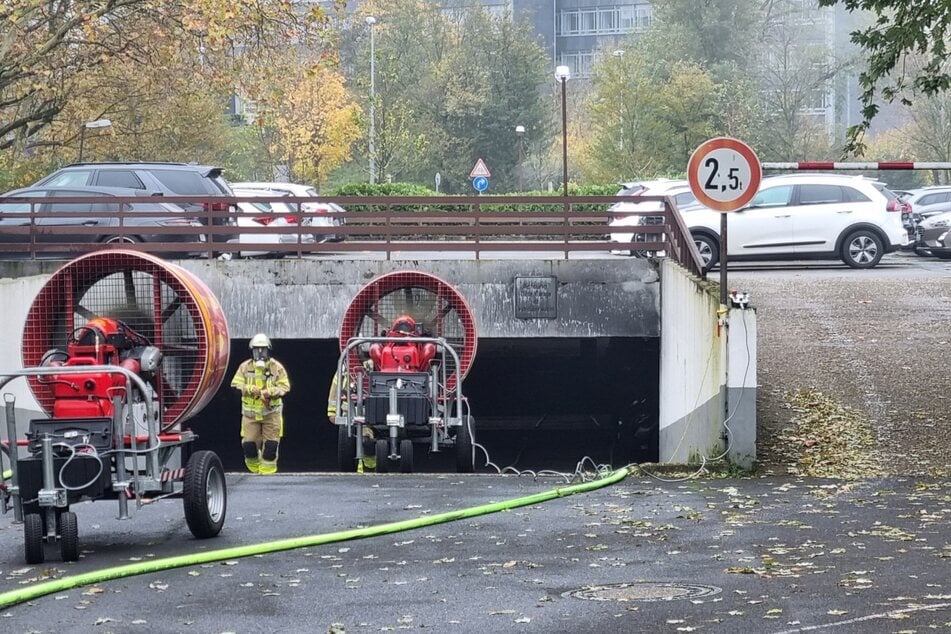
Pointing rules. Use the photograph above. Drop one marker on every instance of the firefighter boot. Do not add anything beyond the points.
(369, 451)
(251, 458)
(269, 457)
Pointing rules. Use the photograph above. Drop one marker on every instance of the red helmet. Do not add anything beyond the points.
(403, 326)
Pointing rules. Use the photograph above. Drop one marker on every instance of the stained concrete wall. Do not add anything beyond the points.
(306, 299)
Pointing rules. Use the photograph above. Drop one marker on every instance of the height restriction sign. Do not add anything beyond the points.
(724, 174)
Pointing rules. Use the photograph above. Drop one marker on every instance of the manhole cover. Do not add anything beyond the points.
(643, 592)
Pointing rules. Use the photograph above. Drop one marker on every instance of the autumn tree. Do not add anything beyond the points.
(315, 119)
(51, 48)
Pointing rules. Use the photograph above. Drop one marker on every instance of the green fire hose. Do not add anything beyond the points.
(20, 595)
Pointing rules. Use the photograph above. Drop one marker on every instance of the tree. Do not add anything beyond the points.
(316, 121)
(901, 28)
(50, 47)
(451, 86)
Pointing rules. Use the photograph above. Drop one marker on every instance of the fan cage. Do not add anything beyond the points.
(435, 305)
(166, 304)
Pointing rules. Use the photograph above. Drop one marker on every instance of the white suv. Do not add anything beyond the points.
(806, 216)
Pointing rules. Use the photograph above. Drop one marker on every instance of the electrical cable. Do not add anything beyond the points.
(20, 595)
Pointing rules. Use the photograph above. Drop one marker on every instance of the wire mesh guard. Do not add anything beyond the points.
(161, 301)
(436, 306)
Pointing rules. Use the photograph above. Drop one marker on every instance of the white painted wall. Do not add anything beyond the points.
(692, 368)
(16, 296)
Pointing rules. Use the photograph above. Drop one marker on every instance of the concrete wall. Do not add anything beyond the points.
(707, 374)
(692, 368)
(306, 299)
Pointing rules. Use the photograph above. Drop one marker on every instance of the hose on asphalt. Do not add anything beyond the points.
(20, 595)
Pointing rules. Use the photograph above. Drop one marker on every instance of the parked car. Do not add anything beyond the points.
(807, 216)
(51, 219)
(169, 179)
(928, 201)
(268, 214)
(943, 248)
(933, 235)
(678, 190)
(328, 213)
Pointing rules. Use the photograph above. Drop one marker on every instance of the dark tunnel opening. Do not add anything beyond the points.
(542, 403)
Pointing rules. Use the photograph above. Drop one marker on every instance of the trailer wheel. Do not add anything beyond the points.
(69, 536)
(33, 538)
(346, 450)
(465, 460)
(406, 456)
(382, 451)
(204, 494)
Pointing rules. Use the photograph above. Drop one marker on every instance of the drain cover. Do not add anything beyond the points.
(642, 592)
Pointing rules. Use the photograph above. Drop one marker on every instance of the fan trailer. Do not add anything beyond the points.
(119, 349)
(407, 341)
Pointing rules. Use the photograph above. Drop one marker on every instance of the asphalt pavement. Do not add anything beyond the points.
(772, 554)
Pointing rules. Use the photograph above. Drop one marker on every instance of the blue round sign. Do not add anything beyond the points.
(480, 183)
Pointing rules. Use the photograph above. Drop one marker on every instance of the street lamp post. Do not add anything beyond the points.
(519, 133)
(371, 21)
(618, 54)
(562, 74)
(98, 123)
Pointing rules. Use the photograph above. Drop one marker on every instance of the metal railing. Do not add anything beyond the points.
(468, 227)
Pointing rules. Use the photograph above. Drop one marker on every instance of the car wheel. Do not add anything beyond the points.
(862, 249)
(709, 249)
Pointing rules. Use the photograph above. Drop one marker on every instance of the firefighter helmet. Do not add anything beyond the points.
(260, 340)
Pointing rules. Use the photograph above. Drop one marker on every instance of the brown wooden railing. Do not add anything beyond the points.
(471, 227)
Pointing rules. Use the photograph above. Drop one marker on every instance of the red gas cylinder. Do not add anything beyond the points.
(167, 305)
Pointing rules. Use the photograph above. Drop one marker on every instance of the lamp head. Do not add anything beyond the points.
(562, 73)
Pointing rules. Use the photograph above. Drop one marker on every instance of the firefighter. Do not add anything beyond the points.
(369, 457)
(262, 382)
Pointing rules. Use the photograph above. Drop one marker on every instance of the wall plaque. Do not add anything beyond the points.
(536, 297)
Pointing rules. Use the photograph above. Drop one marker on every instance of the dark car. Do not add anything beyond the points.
(57, 222)
(169, 179)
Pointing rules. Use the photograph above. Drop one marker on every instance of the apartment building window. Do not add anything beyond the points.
(614, 20)
(580, 62)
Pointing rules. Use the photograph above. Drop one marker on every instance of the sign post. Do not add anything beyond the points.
(480, 176)
(724, 175)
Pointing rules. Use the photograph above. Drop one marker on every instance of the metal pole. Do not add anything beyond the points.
(564, 132)
(372, 145)
(521, 179)
(82, 140)
(723, 243)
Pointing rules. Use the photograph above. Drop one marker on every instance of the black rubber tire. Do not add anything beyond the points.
(68, 536)
(382, 454)
(346, 450)
(33, 538)
(205, 494)
(465, 459)
(406, 456)
(708, 248)
(862, 249)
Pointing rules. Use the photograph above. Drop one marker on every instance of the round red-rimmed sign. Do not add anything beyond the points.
(724, 174)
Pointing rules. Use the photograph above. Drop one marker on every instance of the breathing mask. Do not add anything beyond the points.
(260, 356)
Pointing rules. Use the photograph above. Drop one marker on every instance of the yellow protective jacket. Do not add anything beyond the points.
(272, 384)
(344, 396)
